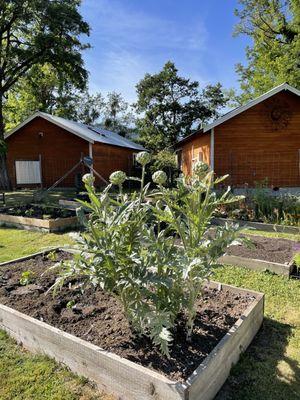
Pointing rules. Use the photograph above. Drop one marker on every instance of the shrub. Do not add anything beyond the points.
(155, 256)
(166, 161)
(284, 209)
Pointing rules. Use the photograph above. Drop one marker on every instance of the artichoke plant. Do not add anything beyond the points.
(157, 273)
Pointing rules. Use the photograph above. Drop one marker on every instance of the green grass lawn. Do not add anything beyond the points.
(52, 198)
(269, 370)
(24, 376)
(27, 196)
(16, 243)
(275, 235)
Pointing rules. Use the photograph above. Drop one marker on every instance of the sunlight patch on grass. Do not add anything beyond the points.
(16, 243)
(276, 235)
(269, 370)
(24, 376)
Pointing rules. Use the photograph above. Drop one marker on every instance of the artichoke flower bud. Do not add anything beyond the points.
(88, 179)
(159, 177)
(200, 169)
(117, 177)
(143, 158)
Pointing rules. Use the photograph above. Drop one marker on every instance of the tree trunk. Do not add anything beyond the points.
(4, 178)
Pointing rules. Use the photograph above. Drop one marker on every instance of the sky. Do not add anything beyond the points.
(132, 37)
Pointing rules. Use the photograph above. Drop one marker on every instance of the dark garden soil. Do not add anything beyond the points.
(98, 317)
(268, 249)
(295, 273)
(37, 211)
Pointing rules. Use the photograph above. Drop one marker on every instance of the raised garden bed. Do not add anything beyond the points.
(36, 217)
(265, 254)
(72, 203)
(258, 225)
(69, 204)
(91, 335)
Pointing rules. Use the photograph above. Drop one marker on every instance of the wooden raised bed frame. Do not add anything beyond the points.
(259, 225)
(125, 378)
(47, 225)
(69, 204)
(258, 265)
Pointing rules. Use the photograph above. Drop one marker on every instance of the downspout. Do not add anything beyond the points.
(91, 155)
(212, 149)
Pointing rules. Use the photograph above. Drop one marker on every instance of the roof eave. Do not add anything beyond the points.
(44, 116)
(239, 110)
(189, 137)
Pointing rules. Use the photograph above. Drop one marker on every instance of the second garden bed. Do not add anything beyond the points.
(260, 226)
(36, 217)
(272, 254)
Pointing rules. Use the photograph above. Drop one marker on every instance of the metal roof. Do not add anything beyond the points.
(90, 133)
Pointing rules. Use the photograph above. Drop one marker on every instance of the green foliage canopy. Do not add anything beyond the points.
(44, 89)
(38, 32)
(117, 115)
(171, 106)
(274, 55)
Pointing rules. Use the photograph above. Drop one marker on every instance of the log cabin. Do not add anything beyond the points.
(254, 143)
(45, 148)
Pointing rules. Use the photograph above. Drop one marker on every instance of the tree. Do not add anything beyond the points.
(38, 32)
(46, 90)
(88, 107)
(171, 107)
(274, 56)
(117, 116)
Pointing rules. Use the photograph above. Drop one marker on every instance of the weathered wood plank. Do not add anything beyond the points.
(24, 258)
(257, 265)
(49, 225)
(259, 225)
(111, 372)
(209, 377)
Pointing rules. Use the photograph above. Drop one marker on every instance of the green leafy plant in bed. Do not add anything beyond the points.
(154, 256)
(283, 209)
(27, 277)
(263, 206)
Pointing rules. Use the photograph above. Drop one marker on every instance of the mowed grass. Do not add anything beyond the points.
(28, 196)
(275, 235)
(16, 243)
(24, 376)
(270, 369)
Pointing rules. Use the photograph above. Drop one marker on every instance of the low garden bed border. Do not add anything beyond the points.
(125, 378)
(259, 225)
(257, 265)
(46, 225)
(69, 204)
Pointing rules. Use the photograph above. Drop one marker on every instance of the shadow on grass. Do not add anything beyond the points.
(264, 372)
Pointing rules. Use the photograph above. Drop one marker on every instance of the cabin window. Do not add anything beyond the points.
(197, 157)
(28, 172)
